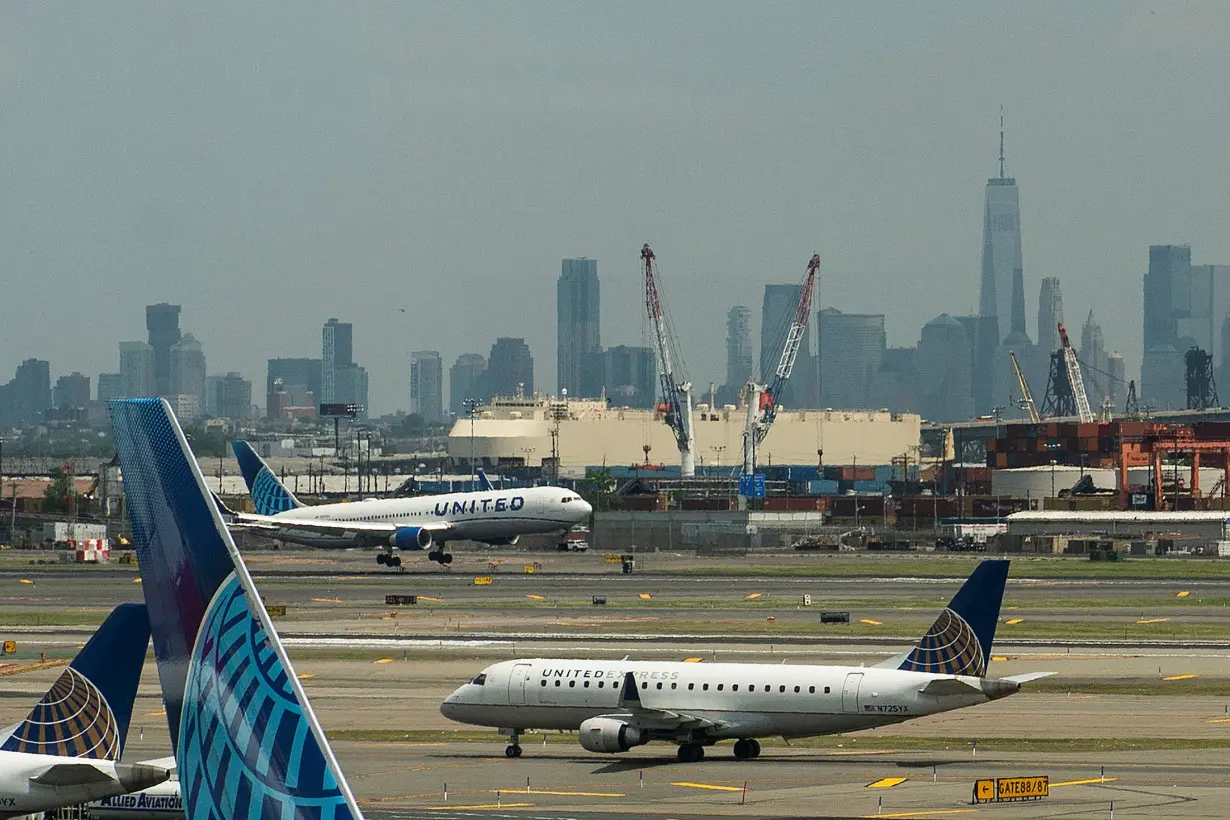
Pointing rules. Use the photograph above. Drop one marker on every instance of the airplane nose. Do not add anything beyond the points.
(585, 508)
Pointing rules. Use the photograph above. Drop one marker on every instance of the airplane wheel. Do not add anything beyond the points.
(691, 753)
(512, 751)
(754, 745)
(395, 560)
(743, 749)
(433, 556)
(446, 558)
(381, 558)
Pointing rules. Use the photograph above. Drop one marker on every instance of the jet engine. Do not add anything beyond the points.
(502, 542)
(411, 538)
(602, 734)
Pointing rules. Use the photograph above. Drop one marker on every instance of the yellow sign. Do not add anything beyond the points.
(1015, 788)
(612, 558)
(984, 791)
(529, 568)
(276, 610)
(10, 647)
(483, 580)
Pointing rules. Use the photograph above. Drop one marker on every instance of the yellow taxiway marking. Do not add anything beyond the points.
(1180, 677)
(306, 676)
(692, 660)
(1218, 720)
(136, 580)
(887, 782)
(715, 788)
(1084, 782)
(327, 600)
(427, 598)
(870, 621)
(536, 597)
(644, 596)
(1152, 620)
(999, 658)
(1183, 593)
(752, 597)
(447, 807)
(384, 660)
(26, 581)
(159, 713)
(558, 794)
(1013, 622)
(924, 813)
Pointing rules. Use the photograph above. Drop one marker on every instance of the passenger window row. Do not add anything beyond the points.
(811, 690)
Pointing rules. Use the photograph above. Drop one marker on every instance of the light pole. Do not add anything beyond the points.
(471, 406)
(1052, 478)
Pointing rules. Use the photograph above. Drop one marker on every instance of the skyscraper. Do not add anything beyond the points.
(298, 376)
(137, 370)
(71, 391)
(187, 361)
(1002, 276)
(510, 368)
(739, 354)
(1050, 314)
(427, 385)
(1167, 301)
(777, 314)
(577, 333)
(467, 379)
(27, 397)
(852, 348)
(234, 398)
(1116, 381)
(337, 354)
(162, 324)
(1092, 356)
(630, 376)
(943, 367)
(110, 386)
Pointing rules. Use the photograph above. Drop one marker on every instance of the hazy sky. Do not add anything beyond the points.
(271, 165)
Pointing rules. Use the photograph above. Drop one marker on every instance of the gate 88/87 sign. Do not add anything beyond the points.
(1011, 788)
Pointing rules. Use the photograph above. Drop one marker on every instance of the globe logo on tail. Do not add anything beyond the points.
(950, 647)
(268, 496)
(72, 720)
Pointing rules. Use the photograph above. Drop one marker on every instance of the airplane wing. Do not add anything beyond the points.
(1028, 676)
(361, 532)
(948, 686)
(71, 774)
(653, 719)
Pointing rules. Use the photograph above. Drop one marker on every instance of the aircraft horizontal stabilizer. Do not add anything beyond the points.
(1027, 677)
(949, 686)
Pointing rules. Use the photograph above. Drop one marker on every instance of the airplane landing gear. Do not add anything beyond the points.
(440, 556)
(747, 748)
(691, 753)
(514, 747)
(388, 560)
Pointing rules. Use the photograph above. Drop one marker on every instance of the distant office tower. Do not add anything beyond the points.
(1050, 314)
(110, 386)
(852, 347)
(1001, 278)
(25, 399)
(777, 314)
(427, 385)
(1116, 381)
(630, 376)
(467, 379)
(1163, 383)
(234, 397)
(352, 387)
(188, 375)
(337, 353)
(213, 393)
(1210, 304)
(162, 324)
(943, 364)
(298, 376)
(1092, 356)
(578, 339)
(739, 354)
(71, 391)
(510, 368)
(137, 370)
(1168, 293)
(894, 386)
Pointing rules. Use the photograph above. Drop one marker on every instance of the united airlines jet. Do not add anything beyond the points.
(496, 517)
(616, 705)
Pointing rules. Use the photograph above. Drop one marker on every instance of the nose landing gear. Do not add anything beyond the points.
(514, 746)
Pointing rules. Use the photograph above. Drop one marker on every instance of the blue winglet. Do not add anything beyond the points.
(269, 495)
(247, 743)
(86, 711)
(959, 642)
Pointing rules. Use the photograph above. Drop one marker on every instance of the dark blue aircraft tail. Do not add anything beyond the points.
(959, 642)
(269, 495)
(247, 743)
(86, 711)
(484, 483)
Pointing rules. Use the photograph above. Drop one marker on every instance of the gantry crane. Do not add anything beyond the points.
(676, 394)
(761, 400)
(1027, 397)
(1075, 381)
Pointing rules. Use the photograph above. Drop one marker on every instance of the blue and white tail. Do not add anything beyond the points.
(86, 711)
(959, 642)
(269, 495)
(247, 743)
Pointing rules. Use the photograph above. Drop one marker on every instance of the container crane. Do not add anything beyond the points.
(1074, 378)
(676, 395)
(762, 401)
(1027, 397)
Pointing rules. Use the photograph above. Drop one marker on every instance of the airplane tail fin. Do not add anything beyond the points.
(484, 483)
(269, 495)
(86, 711)
(246, 740)
(959, 642)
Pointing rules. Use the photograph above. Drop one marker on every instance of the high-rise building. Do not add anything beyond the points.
(894, 385)
(467, 379)
(739, 354)
(234, 397)
(27, 397)
(137, 370)
(188, 374)
(943, 366)
(777, 314)
(110, 386)
(71, 391)
(630, 376)
(1050, 314)
(162, 324)
(298, 376)
(1002, 280)
(337, 353)
(1168, 293)
(351, 383)
(852, 348)
(1116, 381)
(1163, 382)
(1092, 356)
(1210, 304)
(577, 333)
(427, 385)
(213, 396)
(510, 368)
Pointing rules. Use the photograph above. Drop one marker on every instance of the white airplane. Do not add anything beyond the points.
(616, 705)
(68, 750)
(496, 517)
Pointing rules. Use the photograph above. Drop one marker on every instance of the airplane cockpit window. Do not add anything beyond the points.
(480, 680)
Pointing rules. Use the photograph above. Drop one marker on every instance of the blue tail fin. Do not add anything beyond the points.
(247, 743)
(959, 642)
(269, 495)
(484, 483)
(86, 711)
